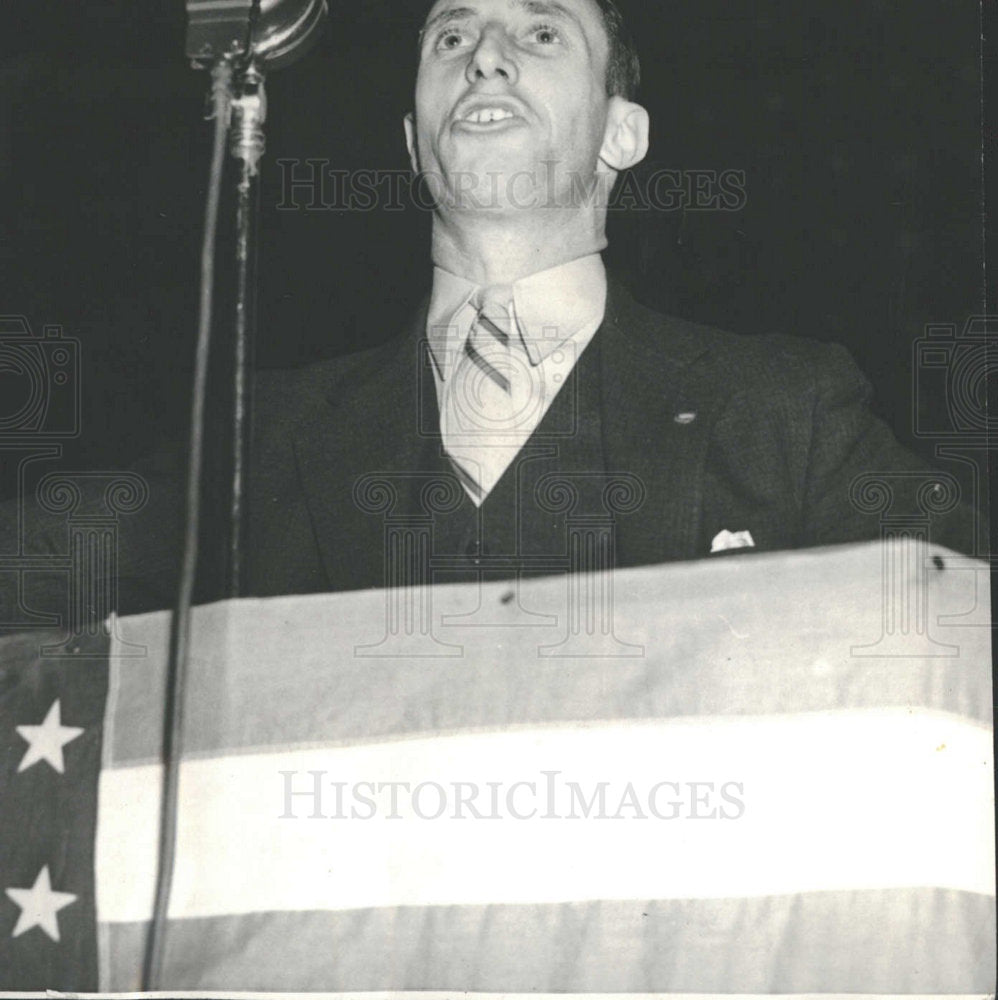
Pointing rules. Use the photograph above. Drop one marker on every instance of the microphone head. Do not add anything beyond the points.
(282, 30)
(286, 29)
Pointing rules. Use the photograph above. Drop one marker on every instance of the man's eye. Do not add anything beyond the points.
(450, 40)
(545, 35)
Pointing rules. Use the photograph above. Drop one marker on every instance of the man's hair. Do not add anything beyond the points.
(623, 69)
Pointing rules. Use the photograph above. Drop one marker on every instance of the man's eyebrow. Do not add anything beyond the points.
(546, 8)
(445, 17)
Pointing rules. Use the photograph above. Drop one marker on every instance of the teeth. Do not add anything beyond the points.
(486, 115)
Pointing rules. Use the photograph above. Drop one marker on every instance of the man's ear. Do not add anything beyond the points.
(410, 141)
(625, 142)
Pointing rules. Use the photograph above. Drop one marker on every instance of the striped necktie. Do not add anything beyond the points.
(490, 397)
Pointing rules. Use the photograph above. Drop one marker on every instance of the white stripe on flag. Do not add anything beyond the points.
(832, 801)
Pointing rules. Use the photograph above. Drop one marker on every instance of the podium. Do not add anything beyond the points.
(753, 774)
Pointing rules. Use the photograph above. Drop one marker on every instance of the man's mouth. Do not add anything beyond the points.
(483, 113)
(485, 116)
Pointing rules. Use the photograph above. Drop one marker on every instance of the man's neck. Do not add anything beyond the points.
(497, 251)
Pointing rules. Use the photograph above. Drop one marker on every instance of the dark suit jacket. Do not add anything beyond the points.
(780, 430)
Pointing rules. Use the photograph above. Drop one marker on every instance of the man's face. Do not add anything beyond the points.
(505, 90)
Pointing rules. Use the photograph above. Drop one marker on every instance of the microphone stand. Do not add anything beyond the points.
(247, 144)
(248, 36)
(235, 38)
(240, 108)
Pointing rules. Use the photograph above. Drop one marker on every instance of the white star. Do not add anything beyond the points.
(39, 906)
(45, 742)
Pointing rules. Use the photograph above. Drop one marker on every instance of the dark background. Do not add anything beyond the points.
(857, 127)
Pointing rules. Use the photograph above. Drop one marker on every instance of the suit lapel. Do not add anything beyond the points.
(657, 411)
(355, 456)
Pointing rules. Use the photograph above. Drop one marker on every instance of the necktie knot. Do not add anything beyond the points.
(493, 306)
(493, 296)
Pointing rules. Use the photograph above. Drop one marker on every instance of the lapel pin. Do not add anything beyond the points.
(685, 419)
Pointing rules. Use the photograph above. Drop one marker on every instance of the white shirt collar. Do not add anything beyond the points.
(549, 307)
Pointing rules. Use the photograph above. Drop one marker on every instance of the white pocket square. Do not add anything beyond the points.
(727, 540)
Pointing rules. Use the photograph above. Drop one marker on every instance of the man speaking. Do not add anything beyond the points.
(529, 375)
(530, 389)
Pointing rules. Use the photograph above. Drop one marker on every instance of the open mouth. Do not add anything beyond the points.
(486, 116)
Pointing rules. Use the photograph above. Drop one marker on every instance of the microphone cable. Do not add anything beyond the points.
(173, 715)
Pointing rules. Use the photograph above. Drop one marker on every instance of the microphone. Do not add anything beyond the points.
(274, 33)
(239, 40)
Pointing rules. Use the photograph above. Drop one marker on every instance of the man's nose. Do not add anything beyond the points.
(492, 58)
